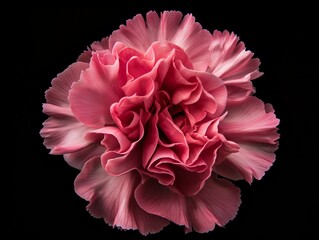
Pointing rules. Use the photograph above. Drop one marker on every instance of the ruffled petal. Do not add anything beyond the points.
(112, 198)
(234, 64)
(159, 200)
(97, 89)
(252, 160)
(217, 203)
(191, 177)
(250, 120)
(121, 155)
(251, 125)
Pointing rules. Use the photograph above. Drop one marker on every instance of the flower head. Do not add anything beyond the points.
(159, 117)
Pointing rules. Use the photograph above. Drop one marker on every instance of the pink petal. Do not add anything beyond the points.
(95, 46)
(211, 98)
(57, 111)
(187, 34)
(61, 85)
(253, 128)
(161, 164)
(112, 198)
(228, 170)
(129, 122)
(98, 88)
(252, 160)
(180, 85)
(64, 134)
(78, 158)
(136, 32)
(150, 140)
(187, 177)
(172, 135)
(159, 200)
(217, 203)
(122, 154)
(191, 178)
(142, 86)
(102, 45)
(249, 120)
(233, 64)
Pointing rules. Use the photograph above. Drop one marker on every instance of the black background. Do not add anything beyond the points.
(43, 42)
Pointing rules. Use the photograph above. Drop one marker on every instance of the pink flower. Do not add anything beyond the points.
(159, 117)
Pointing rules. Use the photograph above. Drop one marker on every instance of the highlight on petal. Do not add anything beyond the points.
(217, 203)
(62, 132)
(64, 135)
(253, 126)
(112, 198)
(231, 62)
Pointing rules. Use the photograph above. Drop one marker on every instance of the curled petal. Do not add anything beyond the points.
(173, 135)
(112, 198)
(190, 178)
(120, 155)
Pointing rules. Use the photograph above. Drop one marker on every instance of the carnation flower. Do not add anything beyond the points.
(160, 119)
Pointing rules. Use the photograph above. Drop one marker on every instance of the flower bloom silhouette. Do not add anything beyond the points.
(160, 119)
